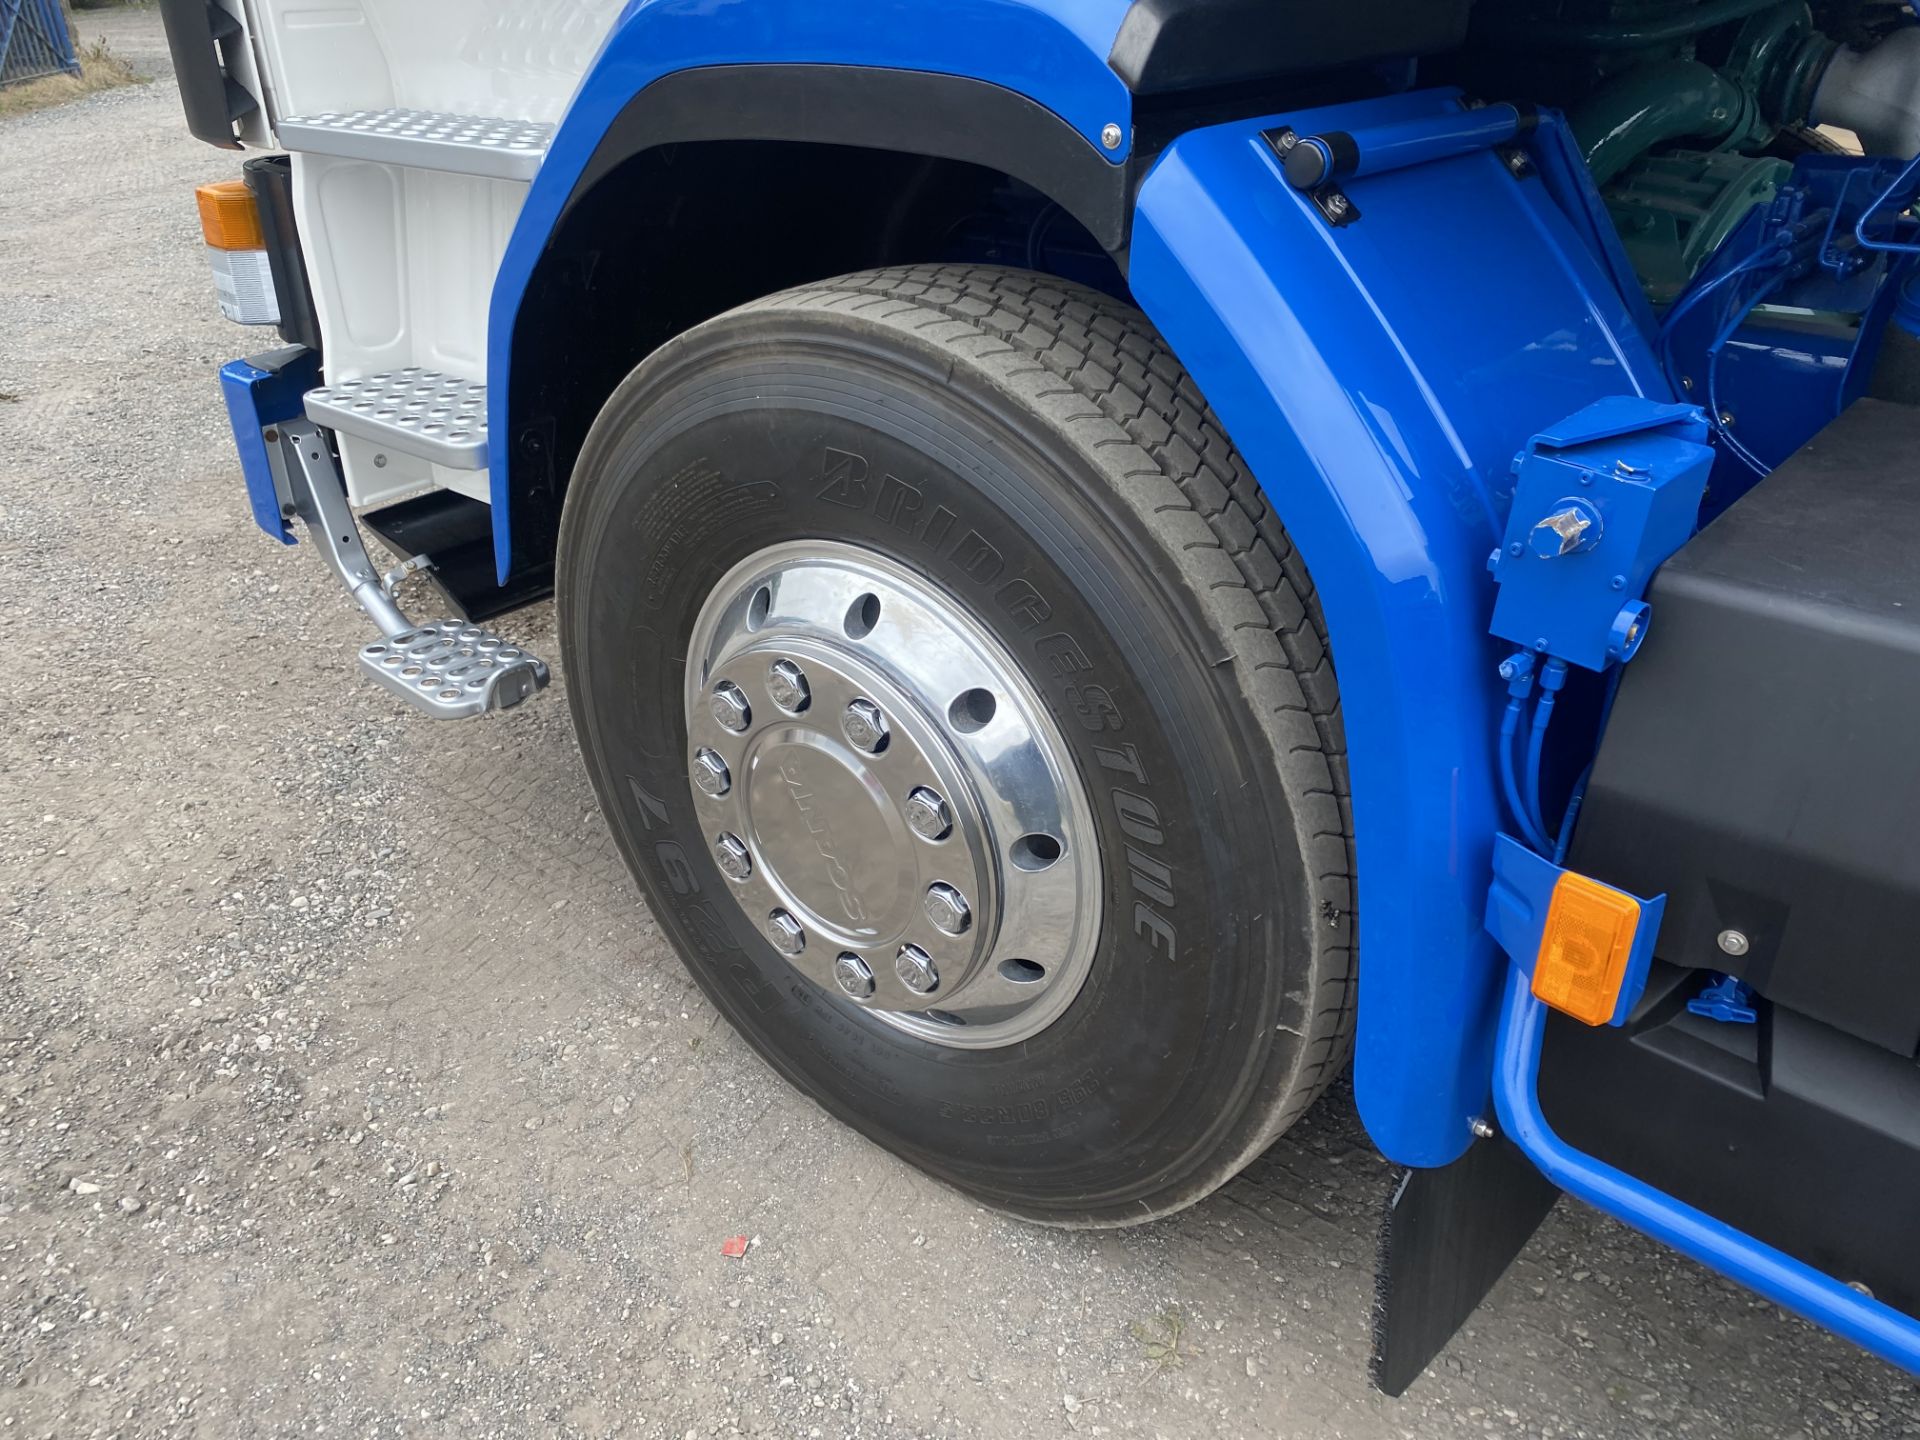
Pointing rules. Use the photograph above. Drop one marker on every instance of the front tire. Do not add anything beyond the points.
(1020, 469)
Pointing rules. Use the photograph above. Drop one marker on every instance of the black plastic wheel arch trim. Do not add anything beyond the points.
(917, 112)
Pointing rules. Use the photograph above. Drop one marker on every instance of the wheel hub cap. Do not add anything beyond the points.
(889, 801)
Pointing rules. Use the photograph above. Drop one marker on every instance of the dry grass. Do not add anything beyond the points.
(100, 69)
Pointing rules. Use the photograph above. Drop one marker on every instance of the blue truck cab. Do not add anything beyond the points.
(1114, 554)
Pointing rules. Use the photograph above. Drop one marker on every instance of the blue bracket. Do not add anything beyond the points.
(1600, 501)
(260, 391)
(1728, 1000)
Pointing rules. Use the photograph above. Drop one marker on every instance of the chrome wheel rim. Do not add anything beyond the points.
(887, 798)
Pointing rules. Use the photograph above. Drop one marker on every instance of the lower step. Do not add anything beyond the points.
(453, 670)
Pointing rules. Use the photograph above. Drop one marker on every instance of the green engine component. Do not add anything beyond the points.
(1675, 210)
(1675, 104)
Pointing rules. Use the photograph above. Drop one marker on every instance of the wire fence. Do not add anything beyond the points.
(35, 41)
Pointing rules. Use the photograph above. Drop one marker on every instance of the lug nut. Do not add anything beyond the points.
(947, 908)
(786, 933)
(710, 773)
(865, 726)
(730, 707)
(787, 683)
(916, 970)
(730, 854)
(853, 976)
(927, 813)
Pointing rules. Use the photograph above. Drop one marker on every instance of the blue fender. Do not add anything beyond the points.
(1054, 52)
(1379, 380)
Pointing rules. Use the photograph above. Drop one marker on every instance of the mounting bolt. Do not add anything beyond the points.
(1733, 942)
(730, 708)
(916, 970)
(1111, 135)
(1482, 1130)
(947, 908)
(865, 726)
(927, 813)
(730, 854)
(1338, 205)
(853, 976)
(787, 683)
(786, 933)
(710, 773)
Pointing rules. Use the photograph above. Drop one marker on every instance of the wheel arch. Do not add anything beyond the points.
(1379, 380)
(830, 118)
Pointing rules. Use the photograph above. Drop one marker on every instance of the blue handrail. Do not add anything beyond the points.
(1820, 1298)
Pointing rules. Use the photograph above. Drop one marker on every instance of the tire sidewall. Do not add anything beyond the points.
(769, 426)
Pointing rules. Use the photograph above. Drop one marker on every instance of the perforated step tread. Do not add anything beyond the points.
(442, 418)
(423, 140)
(453, 670)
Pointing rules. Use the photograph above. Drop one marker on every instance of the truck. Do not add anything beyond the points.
(1059, 509)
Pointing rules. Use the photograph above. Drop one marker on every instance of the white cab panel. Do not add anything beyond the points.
(402, 257)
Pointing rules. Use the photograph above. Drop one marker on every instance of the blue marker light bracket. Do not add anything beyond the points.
(1523, 885)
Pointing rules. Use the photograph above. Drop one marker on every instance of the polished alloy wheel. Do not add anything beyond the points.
(888, 799)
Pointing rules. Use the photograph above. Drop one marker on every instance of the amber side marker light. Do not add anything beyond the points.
(237, 250)
(1585, 948)
(229, 219)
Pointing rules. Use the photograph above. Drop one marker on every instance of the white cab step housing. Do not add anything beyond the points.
(415, 127)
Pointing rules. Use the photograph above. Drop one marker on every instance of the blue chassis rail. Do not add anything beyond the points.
(1378, 380)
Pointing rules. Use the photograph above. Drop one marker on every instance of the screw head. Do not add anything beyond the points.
(1337, 205)
(786, 933)
(730, 708)
(710, 773)
(787, 683)
(947, 908)
(865, 726)
(927, 813)
(850, 972)
(1733, 942)
(916, 970)
(1111, 135)
(731, 855)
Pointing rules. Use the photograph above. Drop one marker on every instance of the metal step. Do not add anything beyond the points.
(436, 417)
(453, 670)
(423, 140)
(449, 668)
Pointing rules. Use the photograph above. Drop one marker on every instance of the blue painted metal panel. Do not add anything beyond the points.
(258, 396)
(1380, 379)
(1052, 51)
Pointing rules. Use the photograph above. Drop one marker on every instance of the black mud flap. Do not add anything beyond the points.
(1448, 1236)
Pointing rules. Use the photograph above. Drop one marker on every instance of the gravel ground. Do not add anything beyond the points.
(346, 1087)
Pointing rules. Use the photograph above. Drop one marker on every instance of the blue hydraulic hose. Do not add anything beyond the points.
(1510, 780)
(1552, 677)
